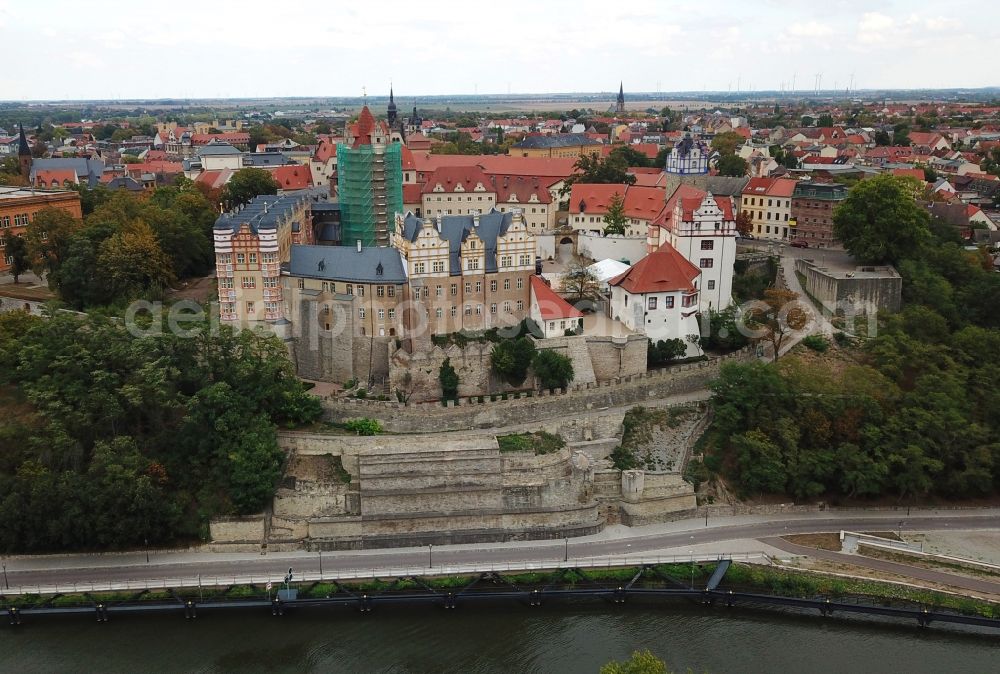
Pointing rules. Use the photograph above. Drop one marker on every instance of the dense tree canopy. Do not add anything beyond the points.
(246, 184)
(591, 168)
(880, 222)
(109, 439)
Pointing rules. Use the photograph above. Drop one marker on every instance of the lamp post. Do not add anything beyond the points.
(430, 555)
(566, 553)
(145, 542)
(321, 565)
(5, 583)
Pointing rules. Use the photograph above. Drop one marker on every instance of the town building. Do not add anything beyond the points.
(251, 244)
(769, 203)
(556, 145)
(812, 212)
(369, 180)
(658, 297)
(18, 206)
(457, 190)
(554, 316)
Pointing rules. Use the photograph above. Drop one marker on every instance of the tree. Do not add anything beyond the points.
(511, 359)
(641, 662)
(246, 184)
(591, 169)
(825, 120)
(881, 138)
(615, 218)
(47, 236)
(664, 351)
(16, 249)
(630, 156)
(901, 135)
(553, 370)
(732, 165)
(449, 380)
(134, 264)
(744, 223)
(761, 467)
(727, 143)
(579, 283)
(879, 222)
(777, 316)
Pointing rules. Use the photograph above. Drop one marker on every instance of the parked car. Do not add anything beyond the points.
(799, 243)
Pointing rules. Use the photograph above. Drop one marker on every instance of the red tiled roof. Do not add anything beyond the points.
(772, 187)
(909, 173)
(691, 204)
(233, 137)
(554, 167)
(594, 197)
(325, 150)
(214, 179)
(292, 177)
(411, 194)
(157, 166)
(550, 305)
(665, 270)
(362, 130)
(46, 176)
(450, 177)
(644, 203)
(521, 187)
(406, 154)
(648, 149)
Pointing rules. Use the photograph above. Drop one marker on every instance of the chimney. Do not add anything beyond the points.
(359, 245)
(475, 219)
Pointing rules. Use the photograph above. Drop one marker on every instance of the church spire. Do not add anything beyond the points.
(23, 153)
(391, 110)
(621, 98)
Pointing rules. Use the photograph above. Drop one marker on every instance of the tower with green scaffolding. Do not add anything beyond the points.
(370, 184)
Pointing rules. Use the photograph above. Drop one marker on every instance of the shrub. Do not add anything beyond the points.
(364, 426)
(554, 370)
(817, 343)
(511, 358)
(841, 338)
(449, 381)
(623, 459)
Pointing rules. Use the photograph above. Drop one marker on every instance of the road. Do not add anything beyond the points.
(671, 538)
(906, 570)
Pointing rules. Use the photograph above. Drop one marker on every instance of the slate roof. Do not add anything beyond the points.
(556, 140)
(218, 149)
(262, 212)
(455, 230)
(266, 159)
(347, 263)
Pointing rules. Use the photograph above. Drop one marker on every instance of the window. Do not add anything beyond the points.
(479, 310)
(361, 312)
(253, 258)
(493, 308)
(493, 286)
(249, 308)
(520, 305)
(651, 303)
(418, 268)
(248, 282)
(438, 312)
(711, 285)
(225, 283)
(506, 284)
(361, 290)
(520, 283)
(438, 291)
(454, 311)
(505, 260)
(668, 302)
(302, 284)
(705, 263)
(708, 245)
(506, 307)
(468, 287)
(240, 258)
(269, 258)
(472, 263)
(350, 289)
(381, 314)
(524, 260)
(689, 300)
(270, 307)
(380, 291)
(223, 258)
(438, 266)
(270, 281)
(468, 309)
(416, 294)
(479, 287)
(454, 289)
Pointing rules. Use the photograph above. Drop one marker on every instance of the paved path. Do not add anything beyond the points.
(917, 572)
(670, 538)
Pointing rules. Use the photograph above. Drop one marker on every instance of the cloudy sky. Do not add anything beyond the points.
(209, 48)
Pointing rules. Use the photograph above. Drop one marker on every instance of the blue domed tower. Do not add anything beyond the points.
(687, 163)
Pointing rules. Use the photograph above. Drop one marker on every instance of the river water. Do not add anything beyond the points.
(579, 637)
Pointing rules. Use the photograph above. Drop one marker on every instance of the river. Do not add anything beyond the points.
(578, 637)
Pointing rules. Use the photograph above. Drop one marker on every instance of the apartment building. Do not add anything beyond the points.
(769, 203)
(18, 206)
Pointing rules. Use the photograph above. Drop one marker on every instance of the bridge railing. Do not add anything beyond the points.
(373, 573)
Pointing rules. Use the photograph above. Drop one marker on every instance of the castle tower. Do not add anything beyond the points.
(23, 154)
(687, 163)
(620, 107)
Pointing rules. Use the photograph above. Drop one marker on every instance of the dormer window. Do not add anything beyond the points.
(379, 269)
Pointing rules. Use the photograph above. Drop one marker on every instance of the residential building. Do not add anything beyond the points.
(18, 206)
(812, 212)
(369, 180)
(551, 313)
(588, 204)
(217, 156)
(658, 297)
(769, 203)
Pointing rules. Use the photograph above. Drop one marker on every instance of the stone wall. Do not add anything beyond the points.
(598, 247)
(418, 373)
(433, 417)
(880, 287)
(238, 530)
(616, 357)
